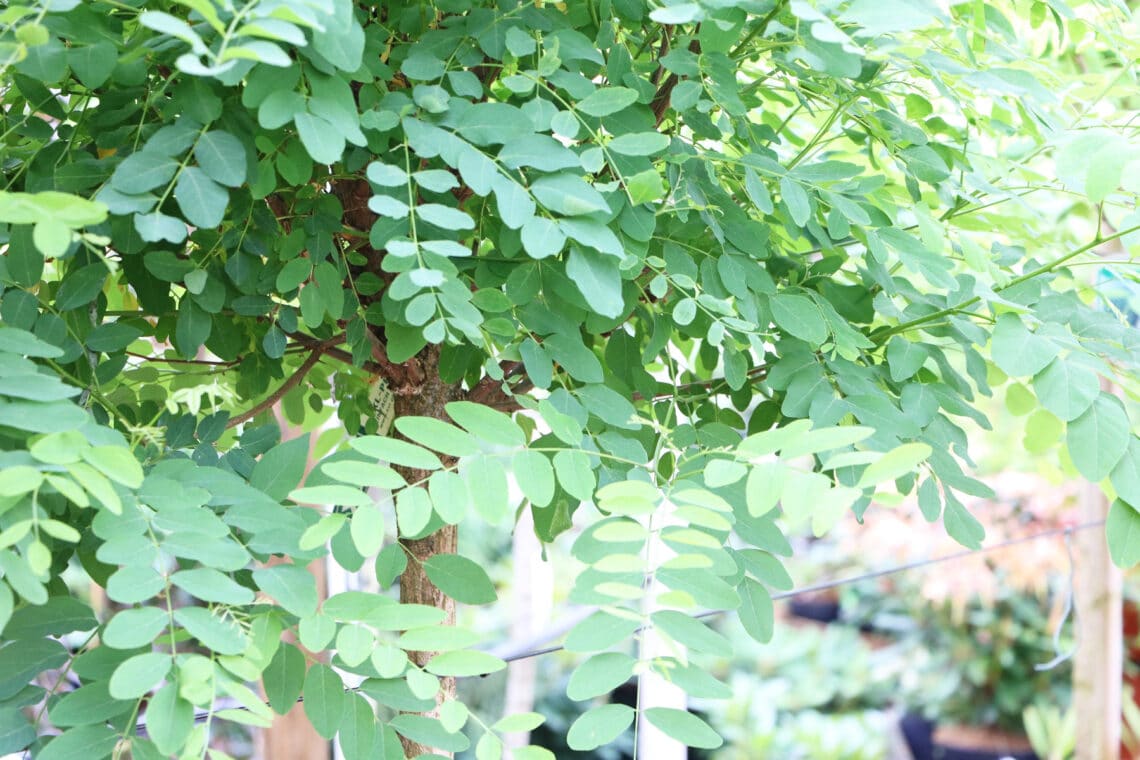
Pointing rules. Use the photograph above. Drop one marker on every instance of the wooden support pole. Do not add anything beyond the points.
(1098, 663)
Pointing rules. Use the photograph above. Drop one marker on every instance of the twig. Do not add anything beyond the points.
(290, 383)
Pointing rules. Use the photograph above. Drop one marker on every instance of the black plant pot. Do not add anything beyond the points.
(821, 610)
(944, 752)
(919, 735)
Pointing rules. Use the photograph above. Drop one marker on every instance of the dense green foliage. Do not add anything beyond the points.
(715, 258)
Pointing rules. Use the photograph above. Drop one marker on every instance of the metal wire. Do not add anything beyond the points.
(830, 584)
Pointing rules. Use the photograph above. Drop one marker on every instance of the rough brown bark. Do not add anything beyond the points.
(426, 398)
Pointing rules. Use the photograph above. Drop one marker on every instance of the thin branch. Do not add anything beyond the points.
(290, 383)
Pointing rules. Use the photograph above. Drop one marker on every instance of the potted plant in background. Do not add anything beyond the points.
(976, 673)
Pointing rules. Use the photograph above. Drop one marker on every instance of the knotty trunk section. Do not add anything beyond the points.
(426, 399)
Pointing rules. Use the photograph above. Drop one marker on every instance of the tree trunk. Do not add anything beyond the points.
(426, 399)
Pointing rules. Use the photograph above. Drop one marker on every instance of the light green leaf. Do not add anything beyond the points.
(1123, 533)
(639, 143)
(756, 612)
(396, 452)
(367, 530)
(1098, 438)
(1018, 352)
(800, 317)
(136, 676)
(894, 464)
(597, 726)
(135, 627)
(607, 100)
(685, 727)
(599, 675)
(1067, 387)
(218, 634)
(535, 476)
(488, 424)
(293, 587)
(438, 435)
(464, 663)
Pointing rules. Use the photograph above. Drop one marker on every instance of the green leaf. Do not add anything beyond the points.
(542, 238)
(598, 726)
(222, 157)
(111, 337)
(438, 435)
(962, 526)
(1067, 387)
(692, 633)
(322, 140)
(800, 317)
(81, 286)
(117, 463)
(462, 579)
(685, 727)
(143, 171)
(1125, 475)
(756, 612)
(1123, 533)
(607, 100)
(600, 630)
(91, 703)
(284, 678)
(358, 729)
(575, 474)
(156, 227)
(280, 469)
(330, 495)
(169, 719)
(905, 357)
(444, 217)
(324, 699)
(598, 279)
(135, 627)
(293, 587)
(136, 676)
(1098, 438)
(210, 585)
(464, 663)
(639, 143)
(1018, 352)
(486, 423)
(367, 529)
(218, 634)
(429, 732)
(568, 194)
(796, 199)
(81, 743)
(396, 452)
(202, 200)
(895, 464)
(599, 675)
(535, 476)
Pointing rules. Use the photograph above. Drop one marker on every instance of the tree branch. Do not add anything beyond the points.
(290, 383)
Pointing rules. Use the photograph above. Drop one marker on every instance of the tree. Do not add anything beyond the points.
(655, 269)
